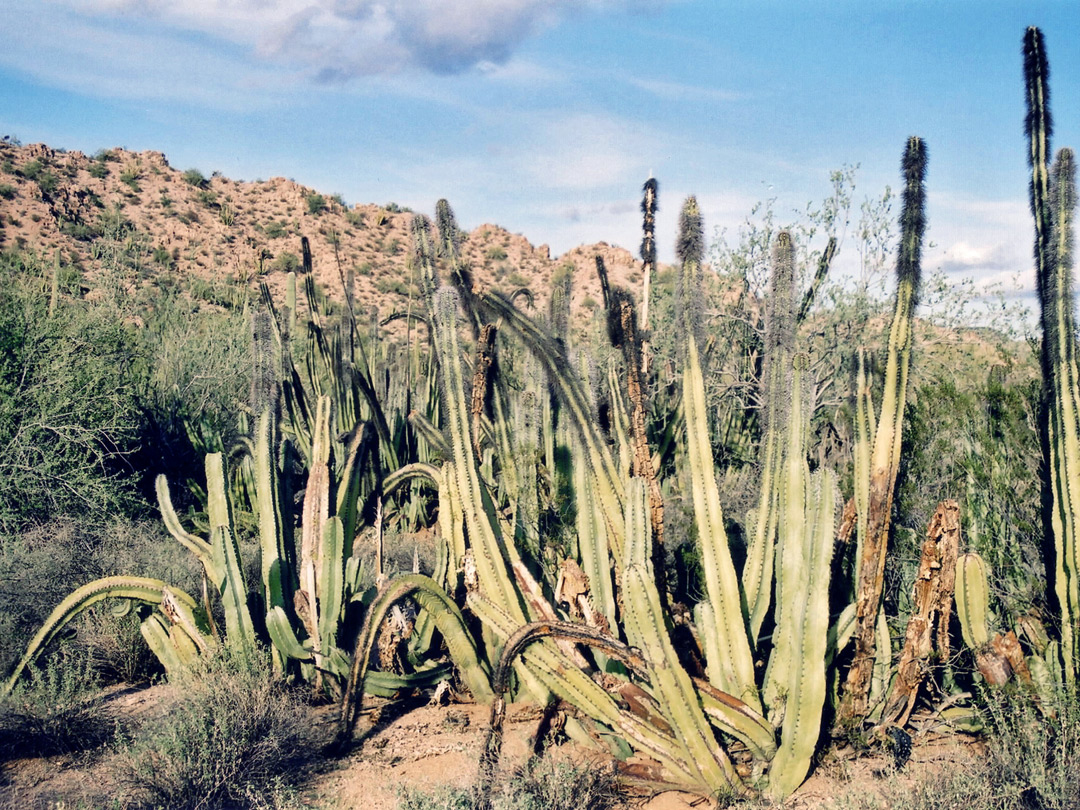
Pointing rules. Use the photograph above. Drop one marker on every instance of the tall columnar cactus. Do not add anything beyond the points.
(731, 668)
(776, 390)
(885, 456)
(1053, 200)
(649, 205)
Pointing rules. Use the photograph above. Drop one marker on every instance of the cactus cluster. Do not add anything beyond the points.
(548, 478)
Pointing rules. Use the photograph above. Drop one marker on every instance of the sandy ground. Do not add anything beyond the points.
(426, 747)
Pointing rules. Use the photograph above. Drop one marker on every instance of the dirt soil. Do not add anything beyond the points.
(427, 746)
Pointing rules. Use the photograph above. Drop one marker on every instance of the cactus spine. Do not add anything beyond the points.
(1053, 199)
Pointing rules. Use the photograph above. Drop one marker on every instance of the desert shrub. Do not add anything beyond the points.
(496, 253)
(55, 709)
(542, 784)
(1029, 763)
(44, 564)
(130, 177)
(285, 263)
(316, 204)
(68, 403)
(31, 169)
(274, 229)
(232, 739)
(7, 191)
(99, 170)
(195, 178)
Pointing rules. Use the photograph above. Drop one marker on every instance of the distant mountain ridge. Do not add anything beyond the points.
(215, 229)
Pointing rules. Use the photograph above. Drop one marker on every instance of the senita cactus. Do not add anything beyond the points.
(1053, 199)
(885, 456)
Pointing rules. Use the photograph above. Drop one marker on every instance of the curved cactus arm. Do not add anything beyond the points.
(645, 626)
(418, 470)
(579, 690)
(973, 600)
(451, 625)
(515, 645)
(173, 656)
(733, 717)
(389, 684)
(196, 545)
(142, 589)
(283, 637)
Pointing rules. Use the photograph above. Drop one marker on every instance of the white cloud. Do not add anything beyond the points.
(988, 241)
(339, 39)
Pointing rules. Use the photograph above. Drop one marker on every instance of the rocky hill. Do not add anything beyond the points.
(181, 223)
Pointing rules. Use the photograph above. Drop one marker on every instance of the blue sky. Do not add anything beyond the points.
(546, 116)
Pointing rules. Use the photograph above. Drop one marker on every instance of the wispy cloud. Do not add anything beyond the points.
(679, 92)
(335, 40)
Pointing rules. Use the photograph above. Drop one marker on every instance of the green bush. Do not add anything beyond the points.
(68, 403)
(233, 739)
(99, 170)
(1028, 763)
(193, 177)
(286, 263)
(56, 709)
(7, 191)
(316, 204)
(496, 253)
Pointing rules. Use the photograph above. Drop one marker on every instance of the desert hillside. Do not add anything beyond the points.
(179, 221)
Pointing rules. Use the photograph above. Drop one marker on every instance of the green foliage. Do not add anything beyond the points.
(285, 262)
(274, 229)
(497, 253)
(233, 739)
(68, 403)
(316, 203)
(1027, 761)
(130, 177)
(56, 709)
(162, 256)
(98, 170)
(7, 191)
(195, 178)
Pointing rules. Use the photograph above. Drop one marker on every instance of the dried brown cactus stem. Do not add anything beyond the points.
(485, 359)
(928, 627)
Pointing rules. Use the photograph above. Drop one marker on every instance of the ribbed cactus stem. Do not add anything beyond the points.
(885, 456)
(973, 600)
(777, 393)
(734, 671)
(1053, 200)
